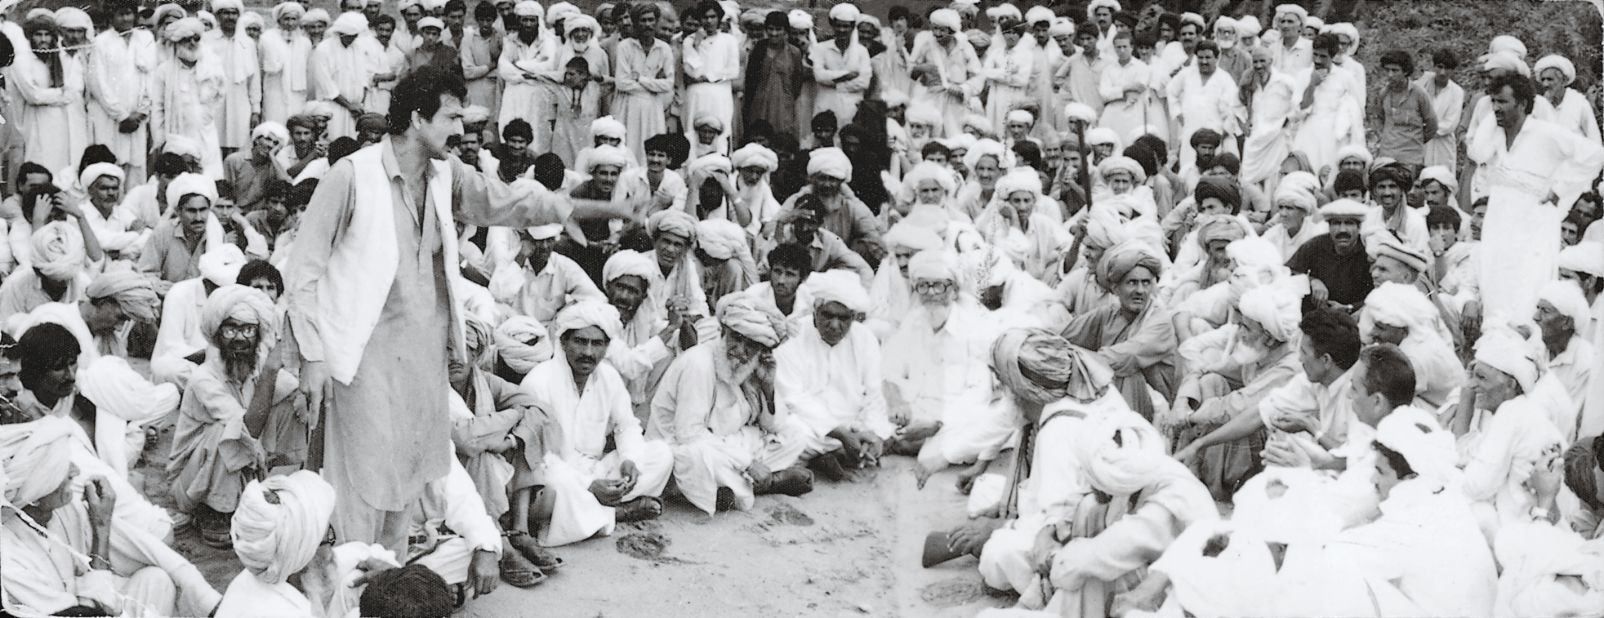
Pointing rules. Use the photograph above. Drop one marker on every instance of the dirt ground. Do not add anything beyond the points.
(847, 549)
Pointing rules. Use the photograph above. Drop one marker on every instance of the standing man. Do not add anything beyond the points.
(1533, 167)
(774, 77)
(343, 71)
(118, 102)
(242, 77)
(1204, 97)
(946, 70)
(186, 94)
(372, 309)
(841, 67)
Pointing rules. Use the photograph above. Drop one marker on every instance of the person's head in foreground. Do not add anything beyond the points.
(426, 110)
(412, 591)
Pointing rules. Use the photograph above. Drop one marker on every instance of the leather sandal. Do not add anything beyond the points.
(542, 557)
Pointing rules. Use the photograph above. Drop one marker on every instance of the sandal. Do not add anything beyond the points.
(542, 557)
(639, 509)
(214, 527)
(518, 572)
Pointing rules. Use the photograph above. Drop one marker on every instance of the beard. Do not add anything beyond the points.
(936, 312)
(239, 362)
(1245, 354)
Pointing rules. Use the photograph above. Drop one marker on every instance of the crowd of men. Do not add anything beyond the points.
(426, 298)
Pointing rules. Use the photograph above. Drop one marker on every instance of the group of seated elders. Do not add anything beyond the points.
(1184, 319)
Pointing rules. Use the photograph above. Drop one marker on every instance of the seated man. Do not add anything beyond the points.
(1401, 315)
(281, 525)
(676, 286)
(826, 250)
(56, 274)
(789, 268)
(1233, 369)
(118, 231)
(713, 409)
(846, 216)
(1392, 261)
(1135, 337)
(1148, 500)
(587, 486)
(539, 283)
(250, 172)
(224, 410)
(938, 386)
(891, 293)
(46, 524)
(99, 321)
(1336, 262)
(1561, 313)
(651, 334)
(1498, 451)
(180, 343)
(412, 590)
(1390, 213)
(828, 376)
(173, 252)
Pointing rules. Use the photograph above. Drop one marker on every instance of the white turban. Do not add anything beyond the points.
(1000, 11)
(614, 156)
(522, 343)
(1111, 5)
(1082, 112)
(475, 114)
(132, 291)
(933, 265)
(1019, 179)
(273, 130)
(1020, 115)
(1506, 351)
(1386, 245)
(1344, 209)
(545, 232)
(608, 127)
(1440, 175)
(58, 251)
(894, 98)
(799, 19)
(1225, 22)
(349, 24)
(977, 121)
(316, 16)
(1104, 227)
(909, 236)
(1398, 305)
(95, 171)
(1194, 19)
(946, 18)
(628, 262)
(1567, 299)
(1315, 22)
(115, 387)
(580, 22)
(984, 148)
(1039, 13)
(755, 155)
(927, 171)
(1505, 61)
(1553, 61)
(1286, 505)
(672, 221)
(1121, 163)
(1355, 151)
(1230, 583)
(1122, 453)
(1416, 434)
(1302, 13)
(1507, 43)
(280, 522)
(839, 286)
(708, 165)
(431, 22)
(185, 28)
(191, 184)
(287, 8)
(1583, 257)
(923, 114)
(845, 12)
(720, 239)
(1102, 135)
(246, 305)
(528, 8)
(1248, 26)
(962, 142)
(585, 314)
(1061, 26)
(1276, 307)
(1296, 194)
(35, 459)
(219, 5)
(220, 265)
(830, 162)
(73, 18)
(754, 319)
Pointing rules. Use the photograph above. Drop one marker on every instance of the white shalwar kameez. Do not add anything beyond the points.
(828, 387)
(957, 67)
(1008, 75)
(116, 82)
(340, 70)
(1269, 141)
(1575, 113)
(1204, 104)
(242, 93)
(1499, 458)
(523, 94)
(53, 121)
(285, 76)
(1522, 224)
(185, 100)
(714, 432)
(716, 61)
(830, 64)
(587, 420)
(944, 376)
(1331, 120)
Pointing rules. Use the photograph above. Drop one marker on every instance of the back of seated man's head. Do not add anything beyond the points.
(342, 148)
(1331, 337)
(1387, 382)
(412, 591)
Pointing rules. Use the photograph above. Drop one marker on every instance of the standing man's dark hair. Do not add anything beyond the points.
(1519, 86)
(421, 92)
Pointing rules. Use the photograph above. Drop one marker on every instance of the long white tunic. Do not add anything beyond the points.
(523, 95)
(1575, 113)
(1331, 121)
(1008, 75)
(242, 95)
(1203, 104)
(830, 64)
(944, 375)
(52, 119)
(1521, 226)
(1269, 140)
(827, 386)
(286, 80)
(645, 85)
(716, 60)
(184, 102)
(116, 83)
(957, 66)
(339, 70)
(541, 295)
(1499, 458)
(1449, 104)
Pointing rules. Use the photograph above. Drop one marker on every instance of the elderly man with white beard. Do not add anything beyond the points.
(1501, 450)
(937, 382)
(224, 409)
(828, 377)
(715, 407)
(1233, 369)
(1568, 356)
(891, 293)
(1401, 315)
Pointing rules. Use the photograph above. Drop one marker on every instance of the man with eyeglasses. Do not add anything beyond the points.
(224, 410)
(938, 381)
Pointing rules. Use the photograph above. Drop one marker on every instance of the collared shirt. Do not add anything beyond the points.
(845, 216)
(541, 295)
(588, 418)
(1345, 275)
(168, 255)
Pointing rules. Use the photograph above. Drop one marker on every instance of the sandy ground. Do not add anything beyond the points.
(847, 549)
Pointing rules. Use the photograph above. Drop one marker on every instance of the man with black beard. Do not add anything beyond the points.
(1336, 262)
(224, 410)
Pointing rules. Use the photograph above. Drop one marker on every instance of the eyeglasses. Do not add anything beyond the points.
(238, 331)
(932, 286)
